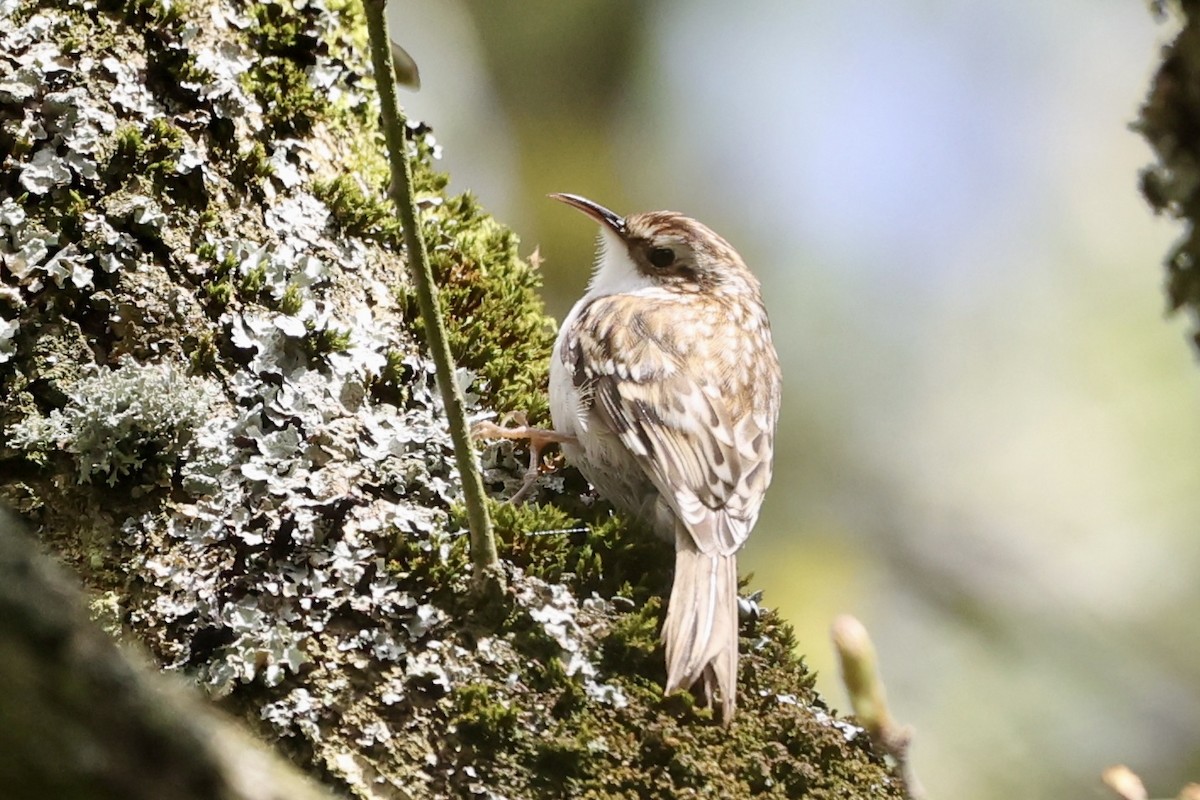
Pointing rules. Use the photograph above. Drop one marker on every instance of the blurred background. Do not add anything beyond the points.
(990, 446)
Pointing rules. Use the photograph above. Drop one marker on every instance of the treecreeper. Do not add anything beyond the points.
(664, 393)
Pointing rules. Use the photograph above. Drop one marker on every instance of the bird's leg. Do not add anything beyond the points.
(539, 439)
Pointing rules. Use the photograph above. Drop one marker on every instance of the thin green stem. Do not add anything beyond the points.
(483, 543)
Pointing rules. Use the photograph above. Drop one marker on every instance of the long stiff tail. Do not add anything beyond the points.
(701, 629)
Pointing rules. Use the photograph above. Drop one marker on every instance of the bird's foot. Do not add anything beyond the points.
(539, 439)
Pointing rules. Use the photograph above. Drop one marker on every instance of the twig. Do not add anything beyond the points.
(1125, 784)
(860, 674)
(483, 543)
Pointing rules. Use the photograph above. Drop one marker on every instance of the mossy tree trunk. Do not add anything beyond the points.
(84, 720)
(217, 410)
(1170, 123)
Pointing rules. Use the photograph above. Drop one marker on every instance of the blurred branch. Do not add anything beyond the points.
(1126, 785)
(483, 542)
(79, 718)
(860, 675)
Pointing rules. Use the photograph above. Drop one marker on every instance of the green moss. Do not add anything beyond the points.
(218, 293)
(165, 136)
(219, 289)
(204, 354)
(609, 556)
(489, 296)
(282, 88)
(292, 300)
(356, 213)
(495, 320)
(631, 647)
(143, 12)
(438, 563)
(279, 29)
(206, 251)
(252, 165)
(666, 747)
(152, 152)
(251, 283)
(392, 383)
(571, 696)
(394, 368)
(327, 340)
(207, 219)
(560, 760)
(656, 746)
(184, 68)
(482, 721)
(68, 215)
(775, 748)
(128, 148)
(285, 39)
(164, 144)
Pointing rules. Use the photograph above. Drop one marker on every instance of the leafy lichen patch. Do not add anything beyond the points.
(126, 424)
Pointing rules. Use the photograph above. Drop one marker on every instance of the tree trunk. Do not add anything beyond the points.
(217, 410)
(81, 719)
(1170, 122)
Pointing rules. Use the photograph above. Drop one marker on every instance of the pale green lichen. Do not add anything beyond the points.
(118, 423)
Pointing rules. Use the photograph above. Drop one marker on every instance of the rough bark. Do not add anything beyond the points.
(82, 719)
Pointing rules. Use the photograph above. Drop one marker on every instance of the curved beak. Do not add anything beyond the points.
(593, 210)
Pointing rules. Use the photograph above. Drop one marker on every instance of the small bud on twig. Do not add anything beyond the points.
(405, 67)
(860, 674)
(1122, 780)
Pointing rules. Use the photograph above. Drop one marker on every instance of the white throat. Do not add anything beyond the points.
(615, 272)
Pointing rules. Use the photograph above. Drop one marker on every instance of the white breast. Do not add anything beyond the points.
(614, 273)
(564, 397)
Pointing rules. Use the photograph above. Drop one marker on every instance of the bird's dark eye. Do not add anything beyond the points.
(662, 257)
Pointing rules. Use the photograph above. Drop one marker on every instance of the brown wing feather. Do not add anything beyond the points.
(696, 411)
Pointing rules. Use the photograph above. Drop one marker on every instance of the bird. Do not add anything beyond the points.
(664, 393)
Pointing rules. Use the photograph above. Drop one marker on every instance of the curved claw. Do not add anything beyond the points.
(539, 439)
